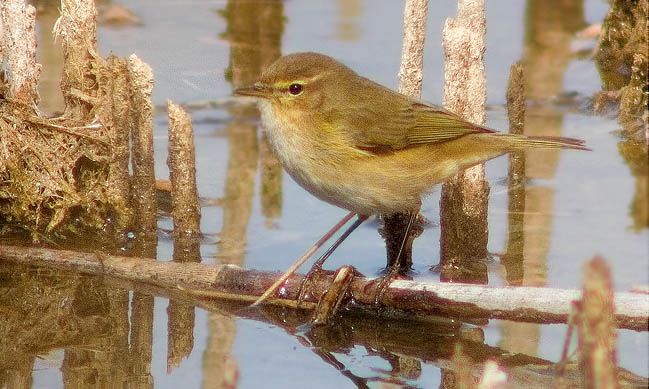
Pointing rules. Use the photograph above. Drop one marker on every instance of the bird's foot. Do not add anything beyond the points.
(390, 274)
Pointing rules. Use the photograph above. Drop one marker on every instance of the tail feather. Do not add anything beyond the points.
(519, 142)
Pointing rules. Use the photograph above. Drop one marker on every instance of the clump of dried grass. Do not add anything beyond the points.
(71, 170)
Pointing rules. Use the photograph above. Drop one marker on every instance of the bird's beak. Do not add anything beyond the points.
(255, 90)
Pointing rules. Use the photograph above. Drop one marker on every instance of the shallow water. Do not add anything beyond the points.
(578, 204)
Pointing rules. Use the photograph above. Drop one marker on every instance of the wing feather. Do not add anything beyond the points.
(405, 122)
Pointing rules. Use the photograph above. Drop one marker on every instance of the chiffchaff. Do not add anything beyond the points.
(363, 147)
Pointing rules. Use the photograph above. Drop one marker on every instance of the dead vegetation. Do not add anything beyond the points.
(59, 174)
(622, 59)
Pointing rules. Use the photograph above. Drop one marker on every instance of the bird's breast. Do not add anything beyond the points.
(335, 171)
(299, 150)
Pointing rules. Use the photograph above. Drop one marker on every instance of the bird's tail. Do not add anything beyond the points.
(521, 142)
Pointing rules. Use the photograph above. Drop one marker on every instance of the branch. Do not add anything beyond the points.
(416, 300)
(18, 47)
(412, 55)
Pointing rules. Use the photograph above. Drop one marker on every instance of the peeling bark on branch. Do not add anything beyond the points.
(18, 47)
(416, 300)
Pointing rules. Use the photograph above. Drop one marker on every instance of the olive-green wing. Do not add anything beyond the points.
(404, 123)
(435, 124)
(381, 127)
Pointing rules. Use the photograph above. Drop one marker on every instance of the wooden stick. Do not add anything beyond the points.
(415, 300)
(182, 173)
(142, 158)
(398, 245)
(464, 197)
(18, 48)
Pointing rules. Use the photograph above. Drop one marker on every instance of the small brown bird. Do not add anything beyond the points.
(363, 147)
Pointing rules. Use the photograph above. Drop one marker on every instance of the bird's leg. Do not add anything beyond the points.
(392, 231)
(303, 258)
(317, 266)
(395, 264)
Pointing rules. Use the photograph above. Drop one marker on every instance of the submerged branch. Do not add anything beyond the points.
(417, 300)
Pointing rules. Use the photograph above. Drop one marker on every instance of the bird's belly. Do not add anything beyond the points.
(364, 195)
(353, 186)
(347, 179)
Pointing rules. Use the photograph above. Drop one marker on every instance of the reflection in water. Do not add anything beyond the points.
(141, 339)
(550, 27)
(181, 316)
(254, 29)
(140, 331)
(512, 259)
(635, 155)
(271, 182)
(239, 190)
(217, 359)
(347, 28)
(549, 31)
(45, 310)
(404, 345)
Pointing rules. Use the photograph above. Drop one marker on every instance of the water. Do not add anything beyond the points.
(578, 204)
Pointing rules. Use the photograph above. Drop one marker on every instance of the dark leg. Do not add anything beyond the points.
(303, 258)
(396, 264)
(397, 245)
(317, 266)
(360, 219)
(406, 235)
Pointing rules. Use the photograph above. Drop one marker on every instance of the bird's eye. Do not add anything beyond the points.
(295, 89)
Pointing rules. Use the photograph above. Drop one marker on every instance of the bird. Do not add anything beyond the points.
(363, 147)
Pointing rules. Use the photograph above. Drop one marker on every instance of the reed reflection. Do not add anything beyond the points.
(254, 30)
(549, 29)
